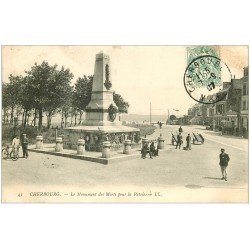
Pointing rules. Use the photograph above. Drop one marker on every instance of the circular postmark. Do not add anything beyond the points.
(204, 78)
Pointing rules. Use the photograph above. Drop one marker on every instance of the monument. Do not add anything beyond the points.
(101, 120)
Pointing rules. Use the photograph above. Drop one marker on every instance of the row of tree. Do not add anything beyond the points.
(47, 90)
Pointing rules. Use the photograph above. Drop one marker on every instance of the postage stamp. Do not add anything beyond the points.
(204, 76)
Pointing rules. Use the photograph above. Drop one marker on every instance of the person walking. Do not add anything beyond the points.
(160, 124)
(180, 129)
(188, 140)
(179, 141)
(153, 150)
(16, 142)
(224, 159)
(25, 143)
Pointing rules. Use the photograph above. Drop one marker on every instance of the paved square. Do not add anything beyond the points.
(176, 175)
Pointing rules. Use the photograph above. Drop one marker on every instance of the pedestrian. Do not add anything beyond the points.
(224, 159)
(180, 129)
(145, 150)
(179, 141)
(25, 143)
(160, 124)
(188, 140)
(15, 144)
(153, 150)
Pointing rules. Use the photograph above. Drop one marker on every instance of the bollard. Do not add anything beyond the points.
(160, 142)
(127, 147)
(39, 142)
(59, 144)
(144, 140)
(106, 149)
(80, 146)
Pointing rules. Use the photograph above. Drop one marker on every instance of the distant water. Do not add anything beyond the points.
(141, 118)
(56, 120)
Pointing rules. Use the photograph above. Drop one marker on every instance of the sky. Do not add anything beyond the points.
(141, 74)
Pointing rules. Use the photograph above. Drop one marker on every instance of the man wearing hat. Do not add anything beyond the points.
(179, 141)
(224, 159)
(188, 140)
(25, 143)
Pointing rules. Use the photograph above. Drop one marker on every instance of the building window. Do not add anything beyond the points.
(244, 105)
(220, 109)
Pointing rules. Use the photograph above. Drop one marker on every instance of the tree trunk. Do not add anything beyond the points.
(28, 119)
(62, 120)
(35, 117)
(17, 115)
(40, 121)
(75, 119)
(80, 121)
(66, 117)
(7, 120)
(25, 118)
(49, 118)
(4, 115)
(12, 115)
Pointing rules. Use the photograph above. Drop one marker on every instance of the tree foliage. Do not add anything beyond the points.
(120, 103)
(82, 95)
(46, 90)
(82, 92)
(50, 88)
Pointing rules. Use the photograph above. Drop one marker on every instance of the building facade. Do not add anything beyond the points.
(244, 104)
(229, 115)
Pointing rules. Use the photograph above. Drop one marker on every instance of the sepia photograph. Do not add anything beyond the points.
(125, 124)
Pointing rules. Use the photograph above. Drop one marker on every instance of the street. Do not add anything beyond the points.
(178, 175)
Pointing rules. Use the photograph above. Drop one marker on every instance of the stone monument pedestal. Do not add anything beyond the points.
(94, 136)
(39, 142)
(160, 142)
(80, 146)
(127, 147)
(101, 123)
(59, 144)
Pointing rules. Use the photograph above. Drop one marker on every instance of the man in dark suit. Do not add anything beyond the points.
(179, 141)
(224, 159)
(180, 129)
(188, 140)
(25, 143)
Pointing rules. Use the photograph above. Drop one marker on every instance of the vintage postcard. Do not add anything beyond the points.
(125, 124)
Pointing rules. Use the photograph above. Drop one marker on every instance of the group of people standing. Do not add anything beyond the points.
(224, 157)
(24, 143)
(180, 140)
(151, 150)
